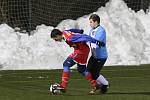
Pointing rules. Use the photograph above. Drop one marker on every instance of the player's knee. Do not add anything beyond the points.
(68, 62)
(81, 69)
(95, 76)
(66, 69)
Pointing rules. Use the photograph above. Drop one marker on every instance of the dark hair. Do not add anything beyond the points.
(55, 32)
(95, 17)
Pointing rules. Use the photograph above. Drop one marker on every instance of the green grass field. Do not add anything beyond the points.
(127, 83)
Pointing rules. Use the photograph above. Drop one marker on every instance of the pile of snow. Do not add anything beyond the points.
(39, 51)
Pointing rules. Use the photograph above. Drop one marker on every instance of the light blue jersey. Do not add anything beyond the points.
(99, 34)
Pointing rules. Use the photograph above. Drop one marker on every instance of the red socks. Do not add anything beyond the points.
(65, 79)
(90, 79)
(66, 76)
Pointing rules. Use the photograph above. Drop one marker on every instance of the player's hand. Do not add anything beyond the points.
(99, 43)
(81, 31)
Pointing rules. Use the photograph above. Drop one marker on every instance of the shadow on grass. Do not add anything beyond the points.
(83, 92)
(109, 93)
(128, 93)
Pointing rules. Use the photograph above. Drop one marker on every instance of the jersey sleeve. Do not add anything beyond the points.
(76, 30)
(82, 38)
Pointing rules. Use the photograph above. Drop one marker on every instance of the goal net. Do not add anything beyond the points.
(27, 14)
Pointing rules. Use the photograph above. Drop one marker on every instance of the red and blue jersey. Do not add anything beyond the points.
(81, 49)
(78, 42)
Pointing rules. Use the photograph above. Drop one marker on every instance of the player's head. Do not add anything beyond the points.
(94, 20)
(56, 34)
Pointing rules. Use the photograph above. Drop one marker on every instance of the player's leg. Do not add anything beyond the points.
(97, 66)
(83, 70)
(99, 77)
(94, 66)
(90, 68)
(66, 72)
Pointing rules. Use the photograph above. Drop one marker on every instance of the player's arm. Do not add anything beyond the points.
(86, 38)
(76, 30)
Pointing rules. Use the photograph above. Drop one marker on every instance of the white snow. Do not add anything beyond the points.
(128, 38)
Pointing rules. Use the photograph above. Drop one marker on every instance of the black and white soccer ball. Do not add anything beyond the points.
(54, 88)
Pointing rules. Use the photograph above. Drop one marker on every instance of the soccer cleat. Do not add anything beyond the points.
(104, 89)
(92, 91)
(97, 87)
(57, 89)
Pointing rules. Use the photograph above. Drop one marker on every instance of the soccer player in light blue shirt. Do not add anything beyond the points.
(99, 54)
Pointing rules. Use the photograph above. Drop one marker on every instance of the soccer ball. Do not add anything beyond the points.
(54, 88)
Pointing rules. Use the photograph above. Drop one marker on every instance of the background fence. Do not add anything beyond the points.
(27, 14)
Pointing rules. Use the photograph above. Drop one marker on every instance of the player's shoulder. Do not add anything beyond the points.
(67, 34)
(101, 29)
